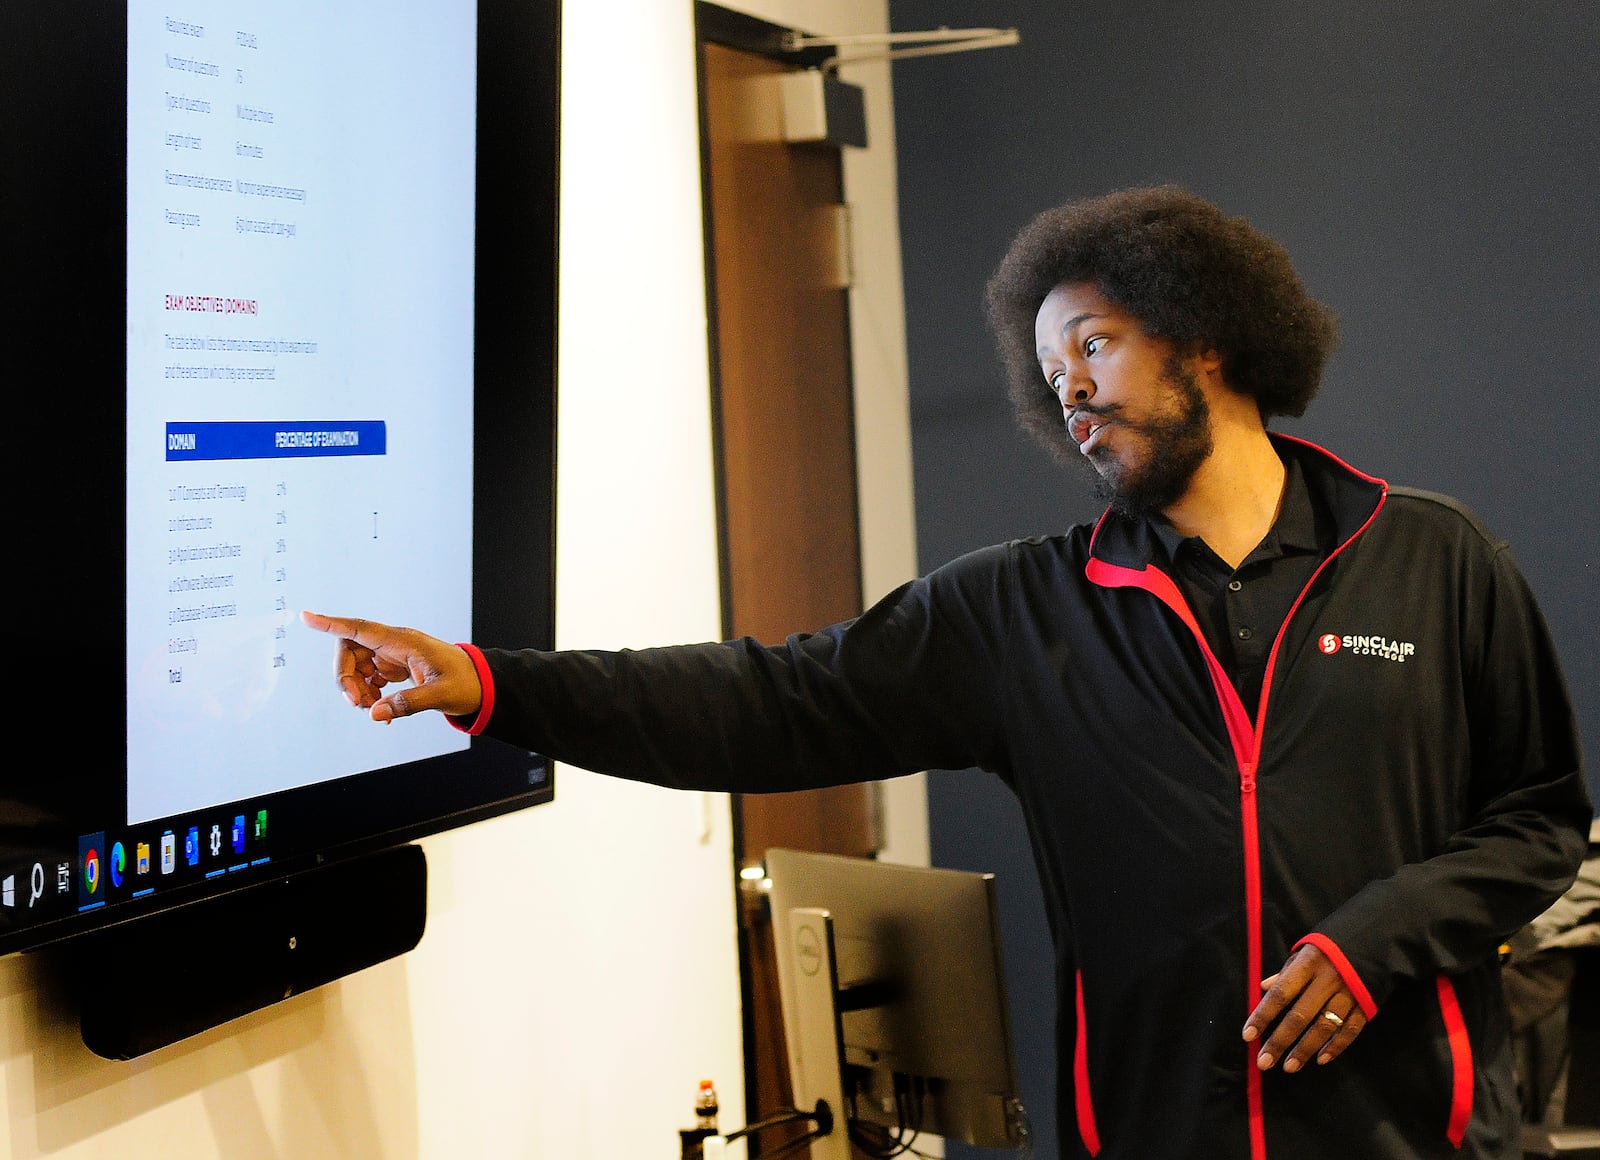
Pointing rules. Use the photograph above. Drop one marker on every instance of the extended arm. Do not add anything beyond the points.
(886, 694)
(903, 687)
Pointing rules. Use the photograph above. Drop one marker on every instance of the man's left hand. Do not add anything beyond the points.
(1307, 1012)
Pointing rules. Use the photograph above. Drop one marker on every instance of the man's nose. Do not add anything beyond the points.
(1079, 390)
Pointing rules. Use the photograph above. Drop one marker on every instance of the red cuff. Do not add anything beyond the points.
(476, 725)
(1346, 972)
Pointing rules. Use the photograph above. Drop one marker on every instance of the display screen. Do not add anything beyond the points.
(289, 327)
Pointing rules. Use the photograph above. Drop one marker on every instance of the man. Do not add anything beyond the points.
(1293, 746)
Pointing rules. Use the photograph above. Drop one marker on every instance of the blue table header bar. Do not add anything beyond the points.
(197, 442)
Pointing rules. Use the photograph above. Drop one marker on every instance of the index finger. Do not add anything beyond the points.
(369, 633)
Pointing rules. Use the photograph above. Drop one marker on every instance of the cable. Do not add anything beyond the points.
(822, 1117)
(908, 1106)
(883, 1147)
(787, 1116)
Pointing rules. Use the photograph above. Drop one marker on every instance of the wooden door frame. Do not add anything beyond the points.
(715, 25)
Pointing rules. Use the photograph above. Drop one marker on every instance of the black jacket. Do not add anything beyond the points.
(1408, 796)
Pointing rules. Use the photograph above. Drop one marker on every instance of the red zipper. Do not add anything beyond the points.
(1245, 741)
(1246, 744)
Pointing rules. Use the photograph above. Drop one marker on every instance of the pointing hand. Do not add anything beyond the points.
(372, 656)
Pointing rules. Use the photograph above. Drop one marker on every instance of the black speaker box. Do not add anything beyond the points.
(164, 977)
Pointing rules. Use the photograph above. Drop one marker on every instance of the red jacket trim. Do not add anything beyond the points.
(1455, 1029)
(1244, 736)
(476, 725)
(1243, 740)
(1347, 972)
(1084, 1105)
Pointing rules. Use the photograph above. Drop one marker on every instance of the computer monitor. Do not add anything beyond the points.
(893, 1000)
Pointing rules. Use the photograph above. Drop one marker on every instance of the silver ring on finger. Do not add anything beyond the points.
(1336, 1020)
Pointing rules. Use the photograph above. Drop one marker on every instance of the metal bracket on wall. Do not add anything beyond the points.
(820, 107)
(929, 43)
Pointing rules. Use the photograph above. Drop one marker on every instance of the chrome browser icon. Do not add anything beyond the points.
(89, 847)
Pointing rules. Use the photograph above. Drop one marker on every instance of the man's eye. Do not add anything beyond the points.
(1058, 382)
(1094, 344)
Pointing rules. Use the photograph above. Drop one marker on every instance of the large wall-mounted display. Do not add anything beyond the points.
(279, 324)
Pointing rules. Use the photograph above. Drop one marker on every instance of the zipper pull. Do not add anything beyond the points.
(1247, 777)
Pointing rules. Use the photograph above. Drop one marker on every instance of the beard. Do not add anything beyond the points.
(1177, 442)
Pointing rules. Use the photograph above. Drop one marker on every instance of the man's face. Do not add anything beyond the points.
(1132, 405)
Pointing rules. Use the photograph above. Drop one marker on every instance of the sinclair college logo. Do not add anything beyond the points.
(1366, 646)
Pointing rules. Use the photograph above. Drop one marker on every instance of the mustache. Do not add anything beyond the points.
(1090, 411)
(1096, 408)
(1102, 410)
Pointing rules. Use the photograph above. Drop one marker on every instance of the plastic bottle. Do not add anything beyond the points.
(705, 1106)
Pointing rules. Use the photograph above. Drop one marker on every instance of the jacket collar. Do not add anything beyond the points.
(1349, 497)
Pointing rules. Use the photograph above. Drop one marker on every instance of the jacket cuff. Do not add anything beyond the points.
(1341, 963)
(476, 724)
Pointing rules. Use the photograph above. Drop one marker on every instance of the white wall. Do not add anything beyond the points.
(579, 974)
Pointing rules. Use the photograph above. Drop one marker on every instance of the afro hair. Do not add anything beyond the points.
(1188, 273)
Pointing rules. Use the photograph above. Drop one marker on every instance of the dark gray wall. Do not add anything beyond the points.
(1432, 168)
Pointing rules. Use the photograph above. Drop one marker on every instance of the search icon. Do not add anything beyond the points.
(37, 884)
